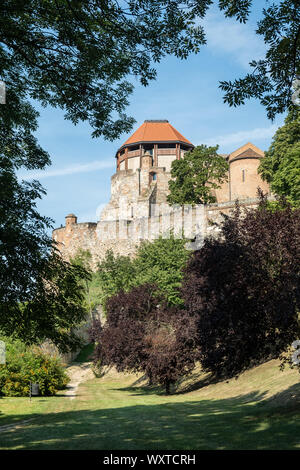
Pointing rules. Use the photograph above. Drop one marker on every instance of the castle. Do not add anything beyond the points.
(138, 208)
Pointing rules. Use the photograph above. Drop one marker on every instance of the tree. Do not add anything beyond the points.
(114, 273)
(171, 347)
(120, 340)
(24, 244)
(78, 55)
(281, 165)
(195, 175)
(81, 57)
(159, 262)
(272, 77)
(50, 308)
(41, 296)
(243, 290)
(145, 336)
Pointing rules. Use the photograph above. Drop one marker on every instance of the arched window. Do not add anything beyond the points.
(154, 176)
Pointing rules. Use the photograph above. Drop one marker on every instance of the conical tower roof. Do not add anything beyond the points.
(156, 131)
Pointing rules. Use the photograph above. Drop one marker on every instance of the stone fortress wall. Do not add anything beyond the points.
(138, 208)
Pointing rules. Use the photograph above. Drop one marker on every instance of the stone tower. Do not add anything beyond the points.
(143, 169)
(138, 208)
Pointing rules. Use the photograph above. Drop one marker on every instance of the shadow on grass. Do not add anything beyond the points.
(196, 381)
(236, 423)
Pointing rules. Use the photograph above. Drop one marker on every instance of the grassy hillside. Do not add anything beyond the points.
(260, 410)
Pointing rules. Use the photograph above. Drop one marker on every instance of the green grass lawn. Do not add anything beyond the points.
(260, 410)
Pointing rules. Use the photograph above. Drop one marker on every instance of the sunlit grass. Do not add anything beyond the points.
(260, 410)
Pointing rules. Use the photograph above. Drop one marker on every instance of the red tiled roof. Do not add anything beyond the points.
(156, 131)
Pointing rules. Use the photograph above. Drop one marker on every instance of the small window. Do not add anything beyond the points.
(153, 176)
(243, 176)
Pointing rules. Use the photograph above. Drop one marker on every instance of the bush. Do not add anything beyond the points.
(24, 365)
(243, 289)
(160, 262)
(142, 334)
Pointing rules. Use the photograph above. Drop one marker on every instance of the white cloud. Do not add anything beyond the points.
(243, 136)
(238, 41)
(69, 170)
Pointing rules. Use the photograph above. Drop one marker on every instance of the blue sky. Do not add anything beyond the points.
(185, 92)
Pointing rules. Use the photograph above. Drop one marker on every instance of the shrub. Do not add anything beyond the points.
(243, 289)
(24, 365)
(159, 262)
(142, 334)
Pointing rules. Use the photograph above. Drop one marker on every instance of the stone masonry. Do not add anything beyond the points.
(138, 208)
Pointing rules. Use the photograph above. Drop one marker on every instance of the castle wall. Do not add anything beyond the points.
(244, 178)
(124, 236)
(133, 163)
(165, 161)
(222, 194)
(138, 208)
(73, 236)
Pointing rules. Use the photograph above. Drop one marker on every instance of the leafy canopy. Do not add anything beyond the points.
(195, 176)
(160, 262)
(272, 76)
(81, 55)
(145, 336)
(243, 289)
(281, 165)
(51, 306)
(78, 55)
(40, 293)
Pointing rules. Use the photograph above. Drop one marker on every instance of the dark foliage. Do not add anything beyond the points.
(142, 335)
(243, 289)
(81, 55)
(41, 294)
(121, 340)
(170, 346)
(51, 307)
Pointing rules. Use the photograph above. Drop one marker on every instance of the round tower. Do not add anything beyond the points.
(156, 138)
(71, 219)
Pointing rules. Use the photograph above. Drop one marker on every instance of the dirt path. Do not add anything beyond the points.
(78, 373)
